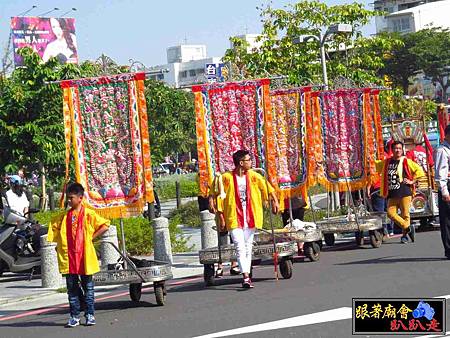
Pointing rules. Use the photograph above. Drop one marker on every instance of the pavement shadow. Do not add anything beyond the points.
(23, 287)
(389, 260)
(221, 284)
(123, 304)
(105, 305)
(36, 323)
(18, 278)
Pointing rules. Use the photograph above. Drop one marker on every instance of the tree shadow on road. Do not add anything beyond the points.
(390, 260)
(221, 284)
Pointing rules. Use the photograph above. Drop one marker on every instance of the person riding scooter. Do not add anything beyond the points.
(15, 196)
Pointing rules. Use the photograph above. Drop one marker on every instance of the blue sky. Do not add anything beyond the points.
(143, 29)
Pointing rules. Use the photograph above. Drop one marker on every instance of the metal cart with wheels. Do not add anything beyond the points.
(261, 252)
(311, 239)
(341, 224)
(135, 272)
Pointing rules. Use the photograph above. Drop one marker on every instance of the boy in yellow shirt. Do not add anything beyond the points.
(74, 232)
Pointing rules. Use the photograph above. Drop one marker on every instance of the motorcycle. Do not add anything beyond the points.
(20, 242)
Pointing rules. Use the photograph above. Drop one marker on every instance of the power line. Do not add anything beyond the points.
(27, 11)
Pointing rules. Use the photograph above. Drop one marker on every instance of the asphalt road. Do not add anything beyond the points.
(344, 271)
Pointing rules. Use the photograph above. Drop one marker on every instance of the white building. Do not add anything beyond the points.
(251, 39)
(408, 16)
(185, 65)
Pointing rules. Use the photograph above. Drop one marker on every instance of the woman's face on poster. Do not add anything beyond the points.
(56, 28)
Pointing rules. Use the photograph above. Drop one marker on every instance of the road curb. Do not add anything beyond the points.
(12, 301)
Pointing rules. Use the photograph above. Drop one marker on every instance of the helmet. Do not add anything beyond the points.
(15, 179)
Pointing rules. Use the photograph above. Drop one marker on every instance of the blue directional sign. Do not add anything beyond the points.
(216, 72)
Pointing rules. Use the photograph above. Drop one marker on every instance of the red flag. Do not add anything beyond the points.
(429, 150)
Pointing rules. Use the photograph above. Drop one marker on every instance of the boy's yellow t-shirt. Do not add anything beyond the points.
(57, 233)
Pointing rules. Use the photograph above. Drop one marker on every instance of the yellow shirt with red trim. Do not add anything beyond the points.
(414, 168)
(57, 233)
(259, 192)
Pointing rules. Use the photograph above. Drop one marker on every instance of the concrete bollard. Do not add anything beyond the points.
(108, 253)
(208, 233)
(50, 276)
(161, 240)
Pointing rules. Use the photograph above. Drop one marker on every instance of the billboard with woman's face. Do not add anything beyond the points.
(49, 37)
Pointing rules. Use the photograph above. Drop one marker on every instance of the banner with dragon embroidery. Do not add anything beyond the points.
(286, 142)
(343, 149)
(229, 117)
(106, 122)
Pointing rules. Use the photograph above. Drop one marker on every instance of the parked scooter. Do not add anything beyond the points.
(19, 242)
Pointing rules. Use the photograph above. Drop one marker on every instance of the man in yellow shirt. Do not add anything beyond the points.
(398, 176)
(74, 232)
(241, 205)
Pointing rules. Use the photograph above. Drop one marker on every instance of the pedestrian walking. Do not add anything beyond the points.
(442, 163)
(241, 203)
(398, 177)
(208, 203)
(74, 232)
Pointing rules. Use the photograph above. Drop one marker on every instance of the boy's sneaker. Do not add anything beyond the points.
(247, 283)
(404, 240)
(90, 320)
(73, 321)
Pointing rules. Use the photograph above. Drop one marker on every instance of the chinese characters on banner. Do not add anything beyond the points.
(375, 316)
(49, 37)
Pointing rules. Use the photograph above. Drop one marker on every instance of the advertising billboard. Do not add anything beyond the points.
(49, 37)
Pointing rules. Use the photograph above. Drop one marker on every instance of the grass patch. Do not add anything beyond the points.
(44, 217)
(165, 186)
(188, 215)
(316, 190)
(139, 236)
(61, 290)
(138, 233)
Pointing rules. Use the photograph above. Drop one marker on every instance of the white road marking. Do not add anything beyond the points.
(313, 318)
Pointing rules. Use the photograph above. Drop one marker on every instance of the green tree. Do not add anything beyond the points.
(361, 61)
(400, 63)
(433, 56)
(171, 120)
(31, 119)
(31, 128)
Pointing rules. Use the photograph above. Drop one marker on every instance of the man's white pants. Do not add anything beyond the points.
(243, 239)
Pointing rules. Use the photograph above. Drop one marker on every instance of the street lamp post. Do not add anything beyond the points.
(322, 39)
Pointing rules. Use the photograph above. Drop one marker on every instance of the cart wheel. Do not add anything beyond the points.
(329, 239)
(376, 238)
(359, 238)
(312, 251)
(208, 274)
(286, 268)
(135, 291)
(160, 294)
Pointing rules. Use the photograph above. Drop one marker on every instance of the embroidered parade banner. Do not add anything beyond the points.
(286, 142)
(106, 121)
(229, 117)
(343, 139)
